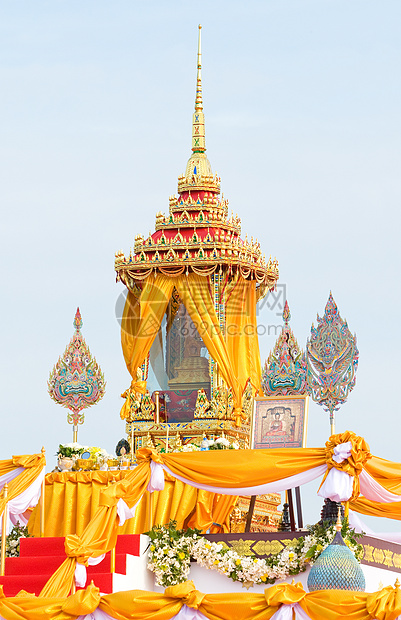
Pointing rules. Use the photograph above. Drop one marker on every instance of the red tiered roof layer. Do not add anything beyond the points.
(197, 235)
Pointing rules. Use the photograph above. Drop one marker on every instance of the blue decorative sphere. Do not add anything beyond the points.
(336, 569)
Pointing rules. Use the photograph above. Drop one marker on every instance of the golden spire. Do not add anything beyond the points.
(198, 173)
(198, 119)
(198, 98)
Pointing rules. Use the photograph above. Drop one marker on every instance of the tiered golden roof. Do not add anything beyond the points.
(198, 234)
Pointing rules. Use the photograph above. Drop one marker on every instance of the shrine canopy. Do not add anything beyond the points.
(197, 258)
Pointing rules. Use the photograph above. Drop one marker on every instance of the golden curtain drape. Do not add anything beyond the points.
(223, 469)
(376, 509)
(241, 334)
(142, 318)
(100, 534)
(33, 465)
(142, 605)
(194, 291)
(72, 499)
(23, 460)
(236, 353)
(230, 468)
(233, 469)
(212, 512)
(387, 474)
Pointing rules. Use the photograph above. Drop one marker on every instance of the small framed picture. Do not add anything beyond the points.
(280, 422)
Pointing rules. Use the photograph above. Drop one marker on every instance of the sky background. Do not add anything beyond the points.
(302, 102)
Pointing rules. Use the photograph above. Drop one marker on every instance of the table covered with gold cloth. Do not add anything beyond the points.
(72, 498)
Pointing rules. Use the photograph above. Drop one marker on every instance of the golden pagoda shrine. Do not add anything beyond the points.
(190, 314)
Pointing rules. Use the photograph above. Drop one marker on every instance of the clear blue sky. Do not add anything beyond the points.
(302, 102)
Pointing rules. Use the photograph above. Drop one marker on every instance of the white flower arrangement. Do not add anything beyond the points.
(100, 455)
(171, 550)
(75, 450)
(221, 443)
(70, 450)
(170, 553)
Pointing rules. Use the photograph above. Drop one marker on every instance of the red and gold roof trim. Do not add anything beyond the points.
(198, 234)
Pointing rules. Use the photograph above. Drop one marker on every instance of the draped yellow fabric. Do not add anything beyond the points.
(221, 510)
(212, 512)
(33, 464)
(360, 455)
(30, 607)
(241, 334)
(243, 468)
(284, 594)
(336, 605)
(72, 499)
(6, 466)
(194, 291)
(23, 460)
(237, 360)
(100, 534)
(386, 473)
(143, 605)
(224, 469)
(385, 604)
(376, 509)
(141, 321)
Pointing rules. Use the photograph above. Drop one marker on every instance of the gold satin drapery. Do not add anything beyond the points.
(212, 512)
(387, 474)
(241, 334)
(195, 293)
(375, 509)
(224, 469)
(236, 353)
(141, 321)
(142, 318)
(142, 605)
(100, 535)
(33, 465)
(72, 499)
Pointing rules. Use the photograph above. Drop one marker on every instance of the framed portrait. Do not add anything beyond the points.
(280, 422)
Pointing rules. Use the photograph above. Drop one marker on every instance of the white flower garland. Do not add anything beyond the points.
(171, 551)
(221, 443)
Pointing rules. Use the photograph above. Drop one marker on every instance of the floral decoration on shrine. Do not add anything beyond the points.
(171, 550)
(284, 372)
(76, 381)
(332, 359)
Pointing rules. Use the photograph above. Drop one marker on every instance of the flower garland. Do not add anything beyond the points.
(170, 553)
(171, 550)
(13, 538)
(221, 443)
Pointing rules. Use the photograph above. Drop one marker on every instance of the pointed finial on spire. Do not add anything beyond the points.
(198, 173)
(286, 313)
(198, 122)
(78, 320)
(198, 98)
(339, 523)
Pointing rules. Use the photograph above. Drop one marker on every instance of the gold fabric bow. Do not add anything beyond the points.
(190, 596)
(360, 453)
